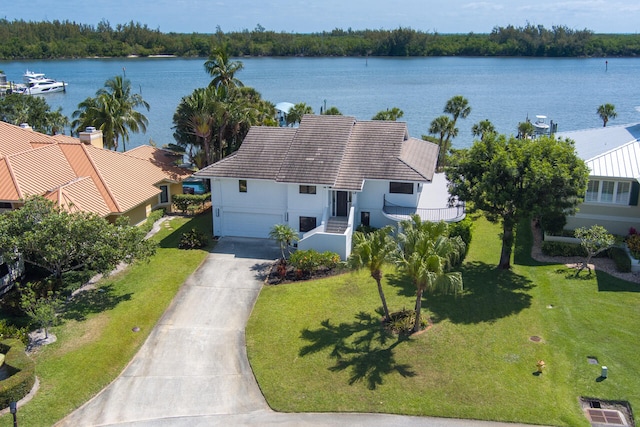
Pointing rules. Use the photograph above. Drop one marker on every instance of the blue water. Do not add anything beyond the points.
(503, 90)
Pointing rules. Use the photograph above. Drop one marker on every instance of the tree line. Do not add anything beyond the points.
(67, 39)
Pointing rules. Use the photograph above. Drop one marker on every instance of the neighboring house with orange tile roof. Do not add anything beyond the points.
(324, 179)
(82, 177)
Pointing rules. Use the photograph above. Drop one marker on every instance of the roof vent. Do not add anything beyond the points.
(90, 129)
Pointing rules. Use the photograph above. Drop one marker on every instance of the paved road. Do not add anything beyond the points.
(193, 368)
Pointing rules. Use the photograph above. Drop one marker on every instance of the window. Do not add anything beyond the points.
(611, 192)
(622, 192)
(592, 191)
(307, 223)
(307, 189)
(365, 218)
(164, 194)
(242, 185)
(401, 187)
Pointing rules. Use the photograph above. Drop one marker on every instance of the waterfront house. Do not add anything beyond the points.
(80, 175)
(324, 179)
(612, 154)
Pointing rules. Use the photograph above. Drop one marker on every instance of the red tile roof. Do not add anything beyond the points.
(79, 176)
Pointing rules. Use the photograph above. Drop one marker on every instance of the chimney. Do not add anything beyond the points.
(91, 136)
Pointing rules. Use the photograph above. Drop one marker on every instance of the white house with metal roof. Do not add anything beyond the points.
(612, 154)
(324, 179)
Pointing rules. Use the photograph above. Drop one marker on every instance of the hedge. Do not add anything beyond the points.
(563, 249)
(621, 259)
(190, 202)
(22, 370)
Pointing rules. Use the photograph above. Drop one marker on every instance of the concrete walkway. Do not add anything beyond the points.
(193, 368)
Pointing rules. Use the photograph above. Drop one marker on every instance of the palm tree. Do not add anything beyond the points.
(483, 128)
(332, 111)
(606, 112)
(297, 111)
(389, 114)
(458, 106)
(113, 111)
(212, 122)
(428, 269)
(222, 69)
(372, 251)
(445, 128)
(427, 256)
(526, 130)
(285, 236)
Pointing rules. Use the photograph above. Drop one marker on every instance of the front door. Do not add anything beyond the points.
(342, 203)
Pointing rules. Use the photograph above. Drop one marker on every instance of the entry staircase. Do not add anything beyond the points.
(337, 224)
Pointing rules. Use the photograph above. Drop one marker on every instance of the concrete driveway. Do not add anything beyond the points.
(193, 368)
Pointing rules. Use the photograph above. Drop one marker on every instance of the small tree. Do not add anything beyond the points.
(42, 310)
(285, 236)
(594, 240)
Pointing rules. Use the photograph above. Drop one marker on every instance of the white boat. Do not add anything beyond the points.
(30, 75)
(39, 84)
(541, 126)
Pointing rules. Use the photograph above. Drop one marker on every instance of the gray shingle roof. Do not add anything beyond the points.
(330, 150)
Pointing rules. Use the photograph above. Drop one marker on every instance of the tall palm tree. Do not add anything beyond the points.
(372, 251)
(606, 112)
(113, 111)
(444, 127)
(222, 69)
(458, 106)
(428, 268)
(427, 256)
(483, 128)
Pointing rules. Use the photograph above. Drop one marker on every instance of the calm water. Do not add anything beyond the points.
(503, 90)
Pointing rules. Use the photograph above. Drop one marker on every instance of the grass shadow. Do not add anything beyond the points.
(608, 283)
(93, 301)
(489, 294)
(363, 347)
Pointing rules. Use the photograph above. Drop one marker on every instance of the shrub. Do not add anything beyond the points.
(193, 239)
(22, 370)
(462, 229)
(621, 259)
(12, 331)
(329, 260)
(307, 261)
(633, 243)
(563, 249)
(151, 219)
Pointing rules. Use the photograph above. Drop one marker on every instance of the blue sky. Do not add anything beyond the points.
(303, 16)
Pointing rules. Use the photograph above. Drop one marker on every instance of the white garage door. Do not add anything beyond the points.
(248, 224)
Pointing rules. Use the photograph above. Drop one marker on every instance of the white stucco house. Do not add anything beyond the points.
(612, 154)
(325, 178)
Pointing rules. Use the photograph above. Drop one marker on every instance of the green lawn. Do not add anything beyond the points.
(318, 346)
(95, 341)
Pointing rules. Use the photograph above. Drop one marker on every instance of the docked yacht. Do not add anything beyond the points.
(39, 84)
